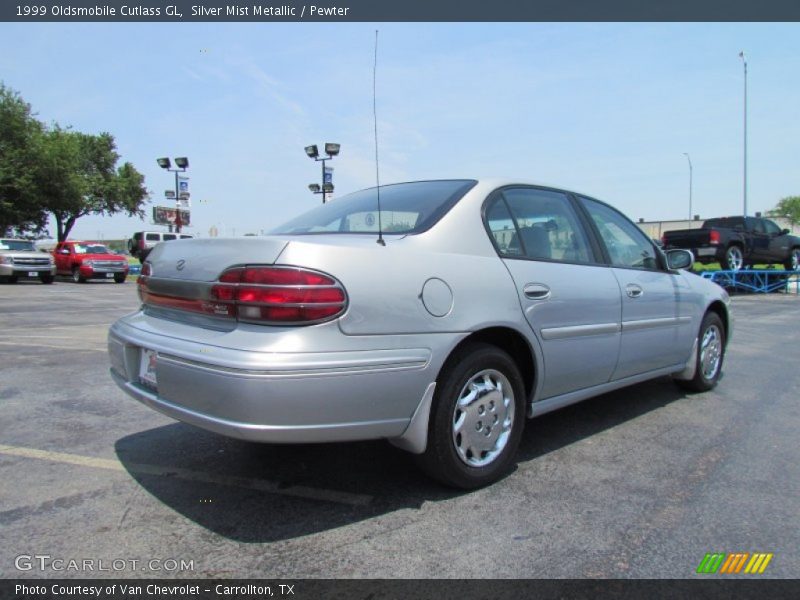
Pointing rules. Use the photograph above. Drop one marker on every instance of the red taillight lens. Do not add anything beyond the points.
(279, 295)
(713, 237)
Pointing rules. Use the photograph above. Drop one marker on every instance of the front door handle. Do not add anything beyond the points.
(536, 291)
(633, 290)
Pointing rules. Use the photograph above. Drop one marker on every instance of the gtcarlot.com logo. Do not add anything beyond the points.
(45, 562)
(734, 562)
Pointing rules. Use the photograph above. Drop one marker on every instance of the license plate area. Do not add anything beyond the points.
(109, 275)
(148, 360)
(33, 273)
(706, 251)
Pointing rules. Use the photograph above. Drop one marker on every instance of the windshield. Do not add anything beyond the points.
(19, 245)
(91, 249)
(405, 208)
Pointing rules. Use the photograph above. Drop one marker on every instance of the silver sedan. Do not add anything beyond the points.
(441, 322)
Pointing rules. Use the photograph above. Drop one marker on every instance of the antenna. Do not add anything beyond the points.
(375, 121)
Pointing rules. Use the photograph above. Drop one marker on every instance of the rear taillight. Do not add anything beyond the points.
(269, 295)
(713, 237)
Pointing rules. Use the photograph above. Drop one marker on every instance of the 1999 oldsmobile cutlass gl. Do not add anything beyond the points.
(491, 301)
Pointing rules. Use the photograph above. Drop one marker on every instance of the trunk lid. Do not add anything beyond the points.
(206, 259)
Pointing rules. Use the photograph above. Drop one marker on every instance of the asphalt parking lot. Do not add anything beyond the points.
(637, 483)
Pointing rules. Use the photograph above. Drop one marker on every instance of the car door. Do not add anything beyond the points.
(779, 243)
(760, 241)
(657, 330)
(62, 258)
(569, 298)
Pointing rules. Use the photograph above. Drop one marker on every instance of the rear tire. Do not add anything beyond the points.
(477, 418)
(710, 355)
(793, 263)
(119, 277)
(733, 259)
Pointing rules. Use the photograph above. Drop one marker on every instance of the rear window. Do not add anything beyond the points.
(725, 222)
(405, 208)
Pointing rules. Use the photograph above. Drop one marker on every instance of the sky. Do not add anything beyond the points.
(605, 109)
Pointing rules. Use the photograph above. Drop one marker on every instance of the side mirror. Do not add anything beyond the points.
(679, 259)
(63, 251)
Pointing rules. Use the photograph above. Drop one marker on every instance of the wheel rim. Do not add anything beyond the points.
(76, 276)
(711, 352)
(735, 258)
(795, 260)
(483, 418)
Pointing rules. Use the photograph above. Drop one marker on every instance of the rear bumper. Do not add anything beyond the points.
(282, 397)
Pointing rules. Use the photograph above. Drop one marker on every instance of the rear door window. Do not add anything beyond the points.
(153, 237)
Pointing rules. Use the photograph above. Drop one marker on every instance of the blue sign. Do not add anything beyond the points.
(328, 177)
(183, 184)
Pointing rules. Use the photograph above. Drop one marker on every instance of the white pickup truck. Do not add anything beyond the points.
(19, 258)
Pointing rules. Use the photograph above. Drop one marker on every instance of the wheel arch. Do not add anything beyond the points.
(510, 341)
(721, 310)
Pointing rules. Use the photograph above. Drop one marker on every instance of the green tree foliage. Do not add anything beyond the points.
(788, 207)
(21, 208)
(67, 173)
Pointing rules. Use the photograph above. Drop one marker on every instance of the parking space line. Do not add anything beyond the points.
(261, 485)
(75, 348)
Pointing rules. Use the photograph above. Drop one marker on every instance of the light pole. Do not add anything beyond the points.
(312, 152)
(689, 158)
(182, 163)
(744, 183)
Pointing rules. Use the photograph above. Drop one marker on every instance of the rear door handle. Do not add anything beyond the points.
(536, 291)
(633, 290)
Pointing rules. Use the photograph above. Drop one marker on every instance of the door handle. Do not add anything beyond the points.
(536, 291)
(633, 290)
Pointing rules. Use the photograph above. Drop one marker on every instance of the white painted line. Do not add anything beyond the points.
(261, 485)
(51, 346)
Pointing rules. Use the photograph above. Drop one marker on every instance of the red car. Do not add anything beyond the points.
(89, 260)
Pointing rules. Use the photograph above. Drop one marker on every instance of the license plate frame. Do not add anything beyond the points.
(706, 251)
(109, 275)
(148, 362)
(33, 273)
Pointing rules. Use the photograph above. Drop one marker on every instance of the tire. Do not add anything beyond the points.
(47, 278)
(710, 355)
(12, 279)
(793, 262)
(76, 275)
(494, 418)
(143, 256)
(733, 259)
(119, 277)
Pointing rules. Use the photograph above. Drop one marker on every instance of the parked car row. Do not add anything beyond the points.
(81, 261)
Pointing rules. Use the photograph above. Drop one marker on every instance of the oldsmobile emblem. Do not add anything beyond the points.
(180, 265)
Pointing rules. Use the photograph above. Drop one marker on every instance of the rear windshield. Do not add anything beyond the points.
(724, 222)
(405, 208)
(19, 245)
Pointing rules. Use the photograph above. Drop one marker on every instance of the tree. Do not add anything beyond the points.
(21, 207)
(788, 207)
(79, 177)
(60, 171)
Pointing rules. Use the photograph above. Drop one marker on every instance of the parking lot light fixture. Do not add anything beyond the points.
(331, 150)
(182, 163)
(314, 187)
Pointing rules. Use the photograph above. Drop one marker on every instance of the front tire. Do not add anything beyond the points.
(47, 278)
(733, 260)
(477, 418)
(710, 354)
(793, 263)
(76, 275)
(119, 277)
